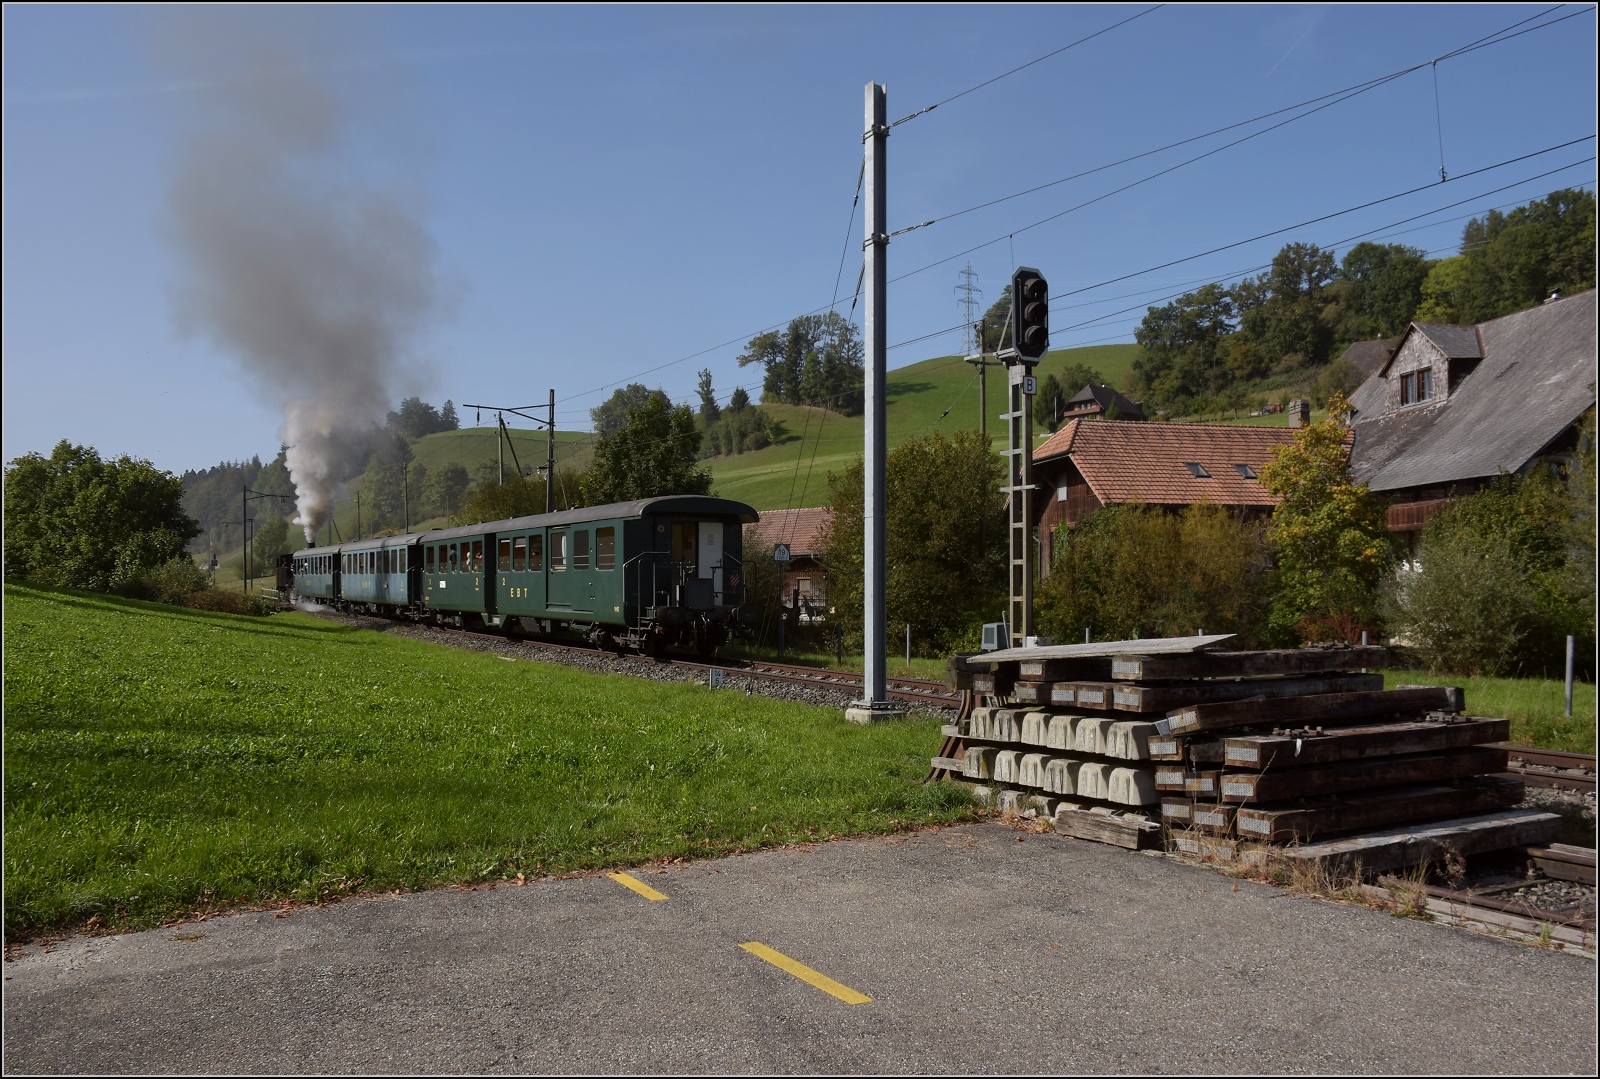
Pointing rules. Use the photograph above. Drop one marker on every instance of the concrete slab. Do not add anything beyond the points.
(1035, 728)
(980, 762)
(1094, 781)
(1091, 734)
(1005, 725)
(1061, 734)
(1132, 786)
(1008, 766)
(1130, 740)
(978, 723)
(1031, 769)
(1061, 775)
(1009, 801)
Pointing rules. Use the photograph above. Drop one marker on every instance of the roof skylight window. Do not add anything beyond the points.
(1197, 470)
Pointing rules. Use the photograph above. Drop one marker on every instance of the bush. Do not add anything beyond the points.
(1498, 582)
(1130, 571)
(1464, 606)
(181, 583)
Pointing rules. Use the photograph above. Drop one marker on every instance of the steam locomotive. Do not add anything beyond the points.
(652, 574)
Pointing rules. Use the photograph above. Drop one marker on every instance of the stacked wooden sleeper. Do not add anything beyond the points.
(1255, 748)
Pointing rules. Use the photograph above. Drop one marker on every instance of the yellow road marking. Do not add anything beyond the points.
(806, 974)
(637, 885)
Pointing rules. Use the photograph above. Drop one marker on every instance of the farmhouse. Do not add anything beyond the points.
(1088, 464)
(805, 582)
(1455, 406)
(1101, 403)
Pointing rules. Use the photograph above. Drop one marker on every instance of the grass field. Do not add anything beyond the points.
(1535, 706)
(158, 760)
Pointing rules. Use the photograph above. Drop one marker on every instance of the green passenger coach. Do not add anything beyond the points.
(649, 574)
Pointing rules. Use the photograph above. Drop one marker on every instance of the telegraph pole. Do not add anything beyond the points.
(875, 703)
(550, 444)
(981, 360)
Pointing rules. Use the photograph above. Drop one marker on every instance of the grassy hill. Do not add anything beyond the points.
(794, 472)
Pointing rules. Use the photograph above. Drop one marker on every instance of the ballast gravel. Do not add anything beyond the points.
(609, 663)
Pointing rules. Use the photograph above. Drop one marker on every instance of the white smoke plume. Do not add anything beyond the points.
(318, 282)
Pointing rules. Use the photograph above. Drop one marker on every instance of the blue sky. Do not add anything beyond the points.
(613, 189)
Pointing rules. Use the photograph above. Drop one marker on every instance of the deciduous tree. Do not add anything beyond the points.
(76, 519)
(1329, 536)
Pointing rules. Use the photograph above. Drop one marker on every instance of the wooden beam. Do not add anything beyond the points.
(1561, 861)
(1258, 752)
(1255, 787)
(1321, 707)
(1031, 692)
(1376, 809)
(1165, 698)
(1132, 833)
(1396, 848)
(1091, 668)
(1284, 661)
(997, 684)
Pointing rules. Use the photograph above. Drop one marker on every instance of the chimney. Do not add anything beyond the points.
(1299, 413)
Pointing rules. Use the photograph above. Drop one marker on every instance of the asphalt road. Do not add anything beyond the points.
(980, 953)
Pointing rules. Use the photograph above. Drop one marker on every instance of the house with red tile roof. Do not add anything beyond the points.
(805, 582)
(1087, 465)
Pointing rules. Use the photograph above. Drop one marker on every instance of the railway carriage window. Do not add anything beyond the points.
(536, 553)
(605, 548)
(477, 556)
(558, 551)
(580, 549)
(427, 559)
(505, 562)
(519, 559)
(453, 562)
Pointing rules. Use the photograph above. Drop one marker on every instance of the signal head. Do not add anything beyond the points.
(1030, 312)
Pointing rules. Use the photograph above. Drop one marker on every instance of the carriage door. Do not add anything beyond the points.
(710, 560)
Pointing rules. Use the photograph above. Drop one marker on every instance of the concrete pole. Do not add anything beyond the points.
(550, 459)
(874, 682)
(1569, 677)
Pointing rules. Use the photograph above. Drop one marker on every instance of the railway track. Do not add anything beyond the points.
(1552, 768)
(923, 691)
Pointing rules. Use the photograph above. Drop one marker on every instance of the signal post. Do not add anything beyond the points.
(1030, 336)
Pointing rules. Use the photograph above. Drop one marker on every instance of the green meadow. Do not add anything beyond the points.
(160, 760)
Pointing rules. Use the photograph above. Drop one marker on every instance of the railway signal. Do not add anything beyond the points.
(1030, 313)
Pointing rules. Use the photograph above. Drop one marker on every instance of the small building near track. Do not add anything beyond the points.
(805, 581)
(1088, 465)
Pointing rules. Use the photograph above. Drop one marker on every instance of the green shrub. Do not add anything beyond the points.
(1143, 571)
(1467, 609)
(1498, 583)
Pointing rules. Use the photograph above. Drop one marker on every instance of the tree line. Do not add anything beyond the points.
(1221, 345)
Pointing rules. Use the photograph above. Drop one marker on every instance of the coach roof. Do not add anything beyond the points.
(688, 505)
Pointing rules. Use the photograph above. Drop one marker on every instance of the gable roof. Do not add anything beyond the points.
(1148, 462)
(801, 529)
(1105, 397)
(1456, 342)
(1368, 357)
(1535, 381)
